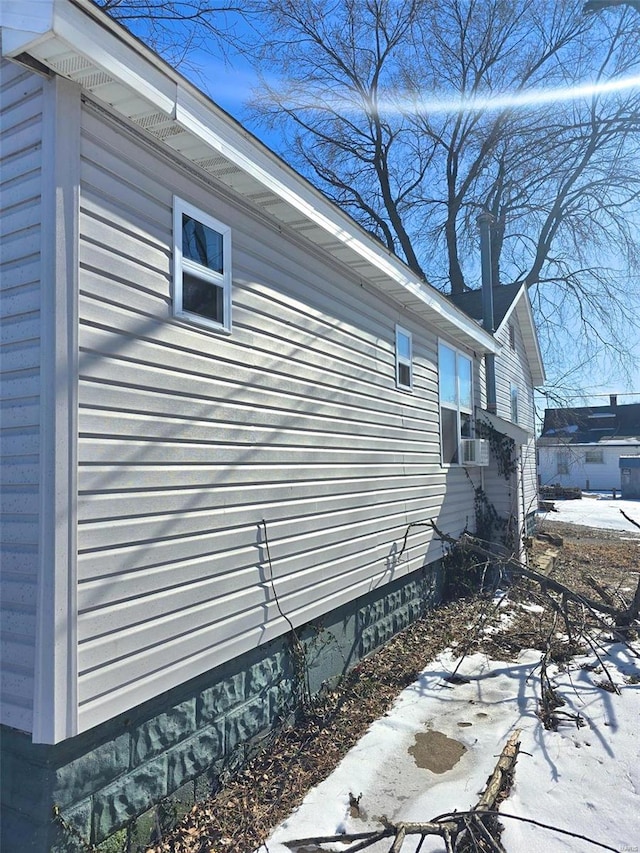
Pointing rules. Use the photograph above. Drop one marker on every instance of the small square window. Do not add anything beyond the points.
(404, 359)
(594, 457)
(202, 268)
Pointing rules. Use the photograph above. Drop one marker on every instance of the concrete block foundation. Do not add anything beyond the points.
(119, 786)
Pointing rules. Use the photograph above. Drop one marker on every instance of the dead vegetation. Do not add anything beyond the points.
(593, 566)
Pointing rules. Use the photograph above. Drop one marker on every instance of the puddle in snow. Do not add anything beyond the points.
(436, 752)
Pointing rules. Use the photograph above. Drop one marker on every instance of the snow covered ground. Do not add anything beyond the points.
(584, 780)
(596, 510)
(434, 750)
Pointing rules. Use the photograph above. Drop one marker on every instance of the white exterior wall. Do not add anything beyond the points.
(21, 102)
(517, 496)
(190, 439)
(40, 151)
(603, 476)
(512, 367)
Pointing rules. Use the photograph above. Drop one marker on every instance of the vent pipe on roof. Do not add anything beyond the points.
(613, 400)
(485, 220)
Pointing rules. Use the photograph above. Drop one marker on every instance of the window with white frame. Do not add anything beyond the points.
(594, 457)
(201, 267)
(456, 401)
(514, 403)
(404, 359)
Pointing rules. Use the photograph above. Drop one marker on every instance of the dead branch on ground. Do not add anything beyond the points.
(620, 621)
(475, 830)
(630, 520)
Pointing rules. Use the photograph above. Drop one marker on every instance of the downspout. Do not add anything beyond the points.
(485, 220)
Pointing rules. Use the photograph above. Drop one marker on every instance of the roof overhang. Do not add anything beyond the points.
(521, 306)
(74, 39)
(517, 433)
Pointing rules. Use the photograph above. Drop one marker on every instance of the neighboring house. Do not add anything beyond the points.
(582, 447)
(224, 406)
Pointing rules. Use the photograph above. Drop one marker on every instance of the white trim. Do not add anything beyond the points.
(55, 713)
(403, 360)
(180, 265)
(537, 366)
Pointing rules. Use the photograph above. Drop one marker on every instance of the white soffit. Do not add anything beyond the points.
(76, 40)
(514, 431)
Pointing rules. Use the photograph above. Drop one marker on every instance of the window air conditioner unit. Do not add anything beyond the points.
(475, 451)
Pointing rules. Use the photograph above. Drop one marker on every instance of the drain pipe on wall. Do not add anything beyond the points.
(485, 220)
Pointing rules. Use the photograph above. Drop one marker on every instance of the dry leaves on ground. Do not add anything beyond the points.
(240, 816)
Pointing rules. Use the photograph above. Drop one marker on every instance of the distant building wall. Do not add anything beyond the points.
(584, 466)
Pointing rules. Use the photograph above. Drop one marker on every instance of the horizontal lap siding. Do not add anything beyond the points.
(512, 367)
(20, 167)
(190, 441)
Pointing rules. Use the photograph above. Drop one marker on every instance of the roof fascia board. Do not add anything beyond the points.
(85, 35)
(102, 47)
(30, 17)
(541, 378)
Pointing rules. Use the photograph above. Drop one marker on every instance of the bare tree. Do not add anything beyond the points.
(416, 116)
(177, 29)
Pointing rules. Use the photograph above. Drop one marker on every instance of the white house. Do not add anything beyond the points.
(581, 447)
(224, 404)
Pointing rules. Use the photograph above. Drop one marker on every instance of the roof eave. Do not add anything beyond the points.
(145, 89)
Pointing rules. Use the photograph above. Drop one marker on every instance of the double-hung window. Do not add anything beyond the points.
(202, 267)
(456, 401)
(404, 359)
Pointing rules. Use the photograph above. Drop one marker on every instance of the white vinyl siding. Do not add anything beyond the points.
(514, 399)
(189, 440)
(21, 175)
(513, 375)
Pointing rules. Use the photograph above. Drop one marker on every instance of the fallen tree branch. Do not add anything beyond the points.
(502, 773)
(548, 826)
(623, 619)
(454, 830)
(630, 520)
